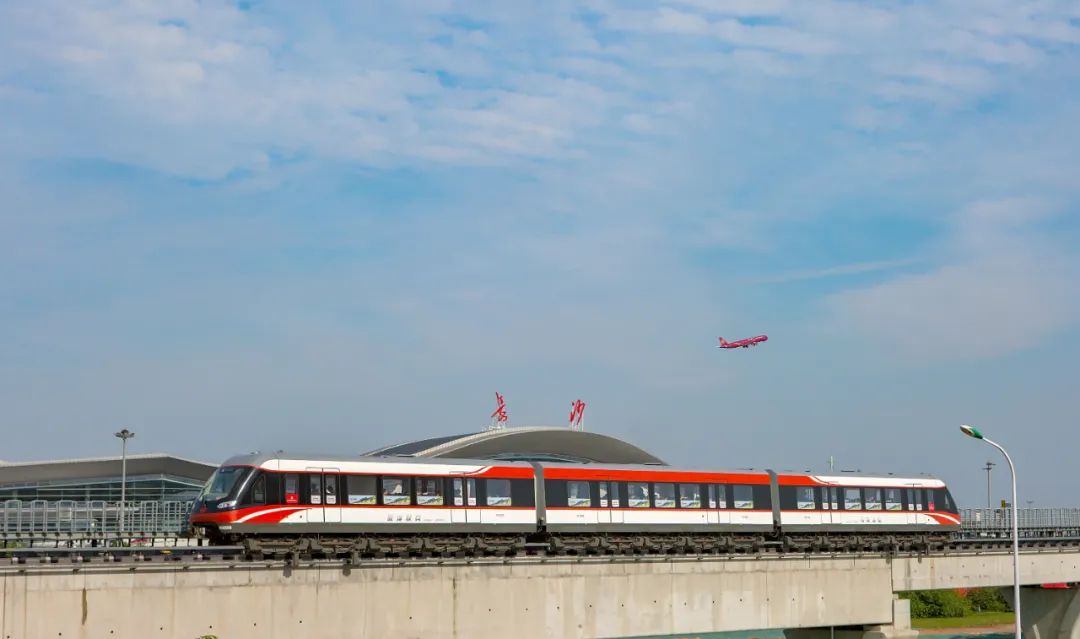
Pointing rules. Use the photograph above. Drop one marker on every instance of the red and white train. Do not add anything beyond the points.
(401, 505)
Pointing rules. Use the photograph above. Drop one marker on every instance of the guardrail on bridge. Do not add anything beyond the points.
(1031, 522)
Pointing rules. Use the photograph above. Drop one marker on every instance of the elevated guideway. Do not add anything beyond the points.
(527, 597)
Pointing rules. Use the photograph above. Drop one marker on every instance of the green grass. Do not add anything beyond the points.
(973, 620)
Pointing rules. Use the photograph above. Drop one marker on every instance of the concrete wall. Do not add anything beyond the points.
(978, 571)
(520, 600)
(1048, 613)
(486, 599)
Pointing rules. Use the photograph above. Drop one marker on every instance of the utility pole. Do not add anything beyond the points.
(989, 501)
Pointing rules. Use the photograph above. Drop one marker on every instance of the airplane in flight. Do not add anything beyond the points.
(743, 343)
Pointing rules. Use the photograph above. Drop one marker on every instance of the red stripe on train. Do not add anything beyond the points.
(688, 477)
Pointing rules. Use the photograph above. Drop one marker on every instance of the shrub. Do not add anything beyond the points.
(987, 600)
(937, 603)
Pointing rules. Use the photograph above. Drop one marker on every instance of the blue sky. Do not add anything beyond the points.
(231, 226)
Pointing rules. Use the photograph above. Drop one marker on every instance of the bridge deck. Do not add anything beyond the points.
(530, 597)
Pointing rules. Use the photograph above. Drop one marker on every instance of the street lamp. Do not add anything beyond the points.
(974, 432)
(124, 435)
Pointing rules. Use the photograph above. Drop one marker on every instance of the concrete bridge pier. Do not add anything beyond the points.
(1048, 613)
(900, 628)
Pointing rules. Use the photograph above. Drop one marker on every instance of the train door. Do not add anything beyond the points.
(315, 495)
(472, 504)
(331, 498)
(830, 504)
(323, 493)
(604, 512)
(712, 503)
(914, 504)
(457, 500)
(616, 501)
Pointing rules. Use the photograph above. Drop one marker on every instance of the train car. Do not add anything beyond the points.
(394, 505)
(281, 494)
(865, 503)
(607, 498)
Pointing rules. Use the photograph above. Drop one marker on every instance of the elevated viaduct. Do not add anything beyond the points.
(525, 597)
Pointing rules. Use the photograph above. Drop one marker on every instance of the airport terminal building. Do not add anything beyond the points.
(152, 477)
(80, 495)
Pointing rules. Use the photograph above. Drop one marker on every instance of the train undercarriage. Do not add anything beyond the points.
(378, 546)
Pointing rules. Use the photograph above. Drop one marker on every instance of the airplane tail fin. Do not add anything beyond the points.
(723, 342)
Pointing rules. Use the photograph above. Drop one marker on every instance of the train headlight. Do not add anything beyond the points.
(227, 504)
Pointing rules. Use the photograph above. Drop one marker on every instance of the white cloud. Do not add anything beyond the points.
(1004, 286)
(203, 89)
(856, 268)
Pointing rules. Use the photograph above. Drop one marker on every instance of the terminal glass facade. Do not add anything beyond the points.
(159, 487)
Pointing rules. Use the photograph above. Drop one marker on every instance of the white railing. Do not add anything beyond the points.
(92, 517)
(1046, 520)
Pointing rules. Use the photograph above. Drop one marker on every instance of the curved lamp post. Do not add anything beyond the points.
(974, 432)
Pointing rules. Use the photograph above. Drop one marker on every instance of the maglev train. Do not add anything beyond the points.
(390, 506)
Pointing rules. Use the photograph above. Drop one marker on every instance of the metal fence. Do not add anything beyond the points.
(92, 517)
(1032, 522)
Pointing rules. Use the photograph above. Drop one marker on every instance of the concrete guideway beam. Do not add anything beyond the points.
(983, 570)
(1049, 613)
(553, 599)
(899, 628)
(526, 598)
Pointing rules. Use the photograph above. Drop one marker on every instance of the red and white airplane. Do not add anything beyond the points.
(743, 343)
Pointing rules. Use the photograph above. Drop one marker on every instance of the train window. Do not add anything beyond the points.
(873, 498)
(330, 489)
(459, 494)
(428, 491)
(744, 496)
(292, 489)
(498, 492)
(945, 499)
(315, 482)
(721, 497)
(852, 499)
(614, 495)
(395, 491)
(523, 492)
(360, 489)
(603, 486)
(664, 495)
(892, 499)
(804, 498)
(258, 490)
(578, 494)
(689, 495)
(930, 500)
(555, 492)
(470, 492)
(637, 495)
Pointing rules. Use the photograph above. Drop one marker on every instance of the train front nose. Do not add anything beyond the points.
(198, 519)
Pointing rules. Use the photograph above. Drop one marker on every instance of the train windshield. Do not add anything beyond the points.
(223, 483)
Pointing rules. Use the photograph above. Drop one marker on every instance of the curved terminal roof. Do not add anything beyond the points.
(19, 473)
(535, 443)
